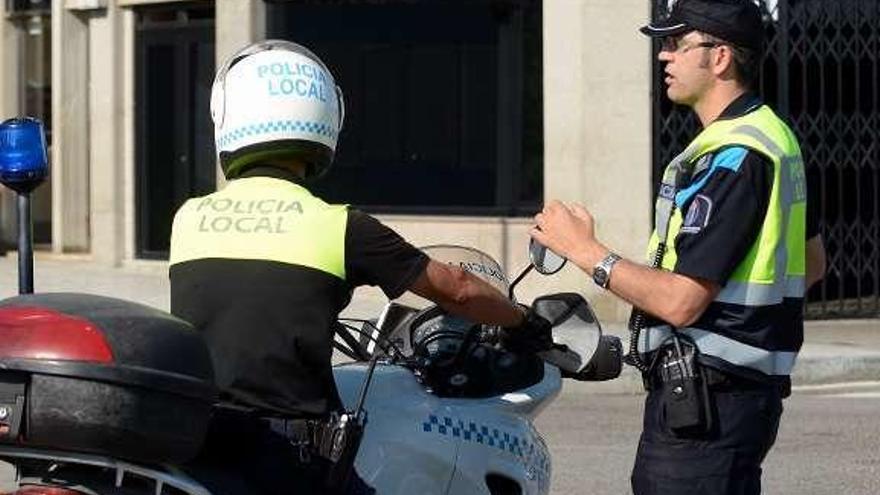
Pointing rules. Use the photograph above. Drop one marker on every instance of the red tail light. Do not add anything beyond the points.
(40, 333)
(44, 490)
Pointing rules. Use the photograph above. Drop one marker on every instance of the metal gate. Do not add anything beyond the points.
(821, 72)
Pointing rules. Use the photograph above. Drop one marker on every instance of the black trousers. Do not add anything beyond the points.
(725, 461)
(243, 455)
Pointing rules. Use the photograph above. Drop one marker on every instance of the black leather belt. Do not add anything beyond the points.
(299, 431)
(717, 380)
(721, 381)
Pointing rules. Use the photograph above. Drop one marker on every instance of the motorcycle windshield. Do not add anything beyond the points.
(472, 260)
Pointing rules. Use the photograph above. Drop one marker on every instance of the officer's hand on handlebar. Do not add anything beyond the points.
(534, 334)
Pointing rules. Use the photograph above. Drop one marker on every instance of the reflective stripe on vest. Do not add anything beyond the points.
(731, 351)
(749, 294)
(262, 218)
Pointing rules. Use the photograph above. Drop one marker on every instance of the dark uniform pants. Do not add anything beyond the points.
(725, 461)
(244, 456)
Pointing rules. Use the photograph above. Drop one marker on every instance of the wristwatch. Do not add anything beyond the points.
(602, 270)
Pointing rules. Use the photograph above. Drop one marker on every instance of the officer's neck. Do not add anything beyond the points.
(712, 104)
(273, 170)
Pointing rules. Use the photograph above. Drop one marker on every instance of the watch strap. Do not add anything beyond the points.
(602, 270)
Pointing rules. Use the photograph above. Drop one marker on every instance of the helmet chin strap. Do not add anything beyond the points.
(298, 167)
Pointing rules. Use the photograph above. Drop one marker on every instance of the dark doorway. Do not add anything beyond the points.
(175, 147)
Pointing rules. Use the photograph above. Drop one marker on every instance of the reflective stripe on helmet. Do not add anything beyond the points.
(257, 129)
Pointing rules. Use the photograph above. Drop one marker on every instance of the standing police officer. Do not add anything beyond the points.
(721, 309)
(262, 269)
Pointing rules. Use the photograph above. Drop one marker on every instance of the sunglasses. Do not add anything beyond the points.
(675, 44)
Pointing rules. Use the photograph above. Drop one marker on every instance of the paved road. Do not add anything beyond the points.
(829, 441)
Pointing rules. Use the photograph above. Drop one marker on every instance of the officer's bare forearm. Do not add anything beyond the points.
(674, 298)
(482, 302)
(464, 294)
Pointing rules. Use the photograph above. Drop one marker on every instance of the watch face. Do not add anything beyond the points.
(600, 276)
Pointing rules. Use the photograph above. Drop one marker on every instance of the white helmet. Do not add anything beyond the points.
(275, 99)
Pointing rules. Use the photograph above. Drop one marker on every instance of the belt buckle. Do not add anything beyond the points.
(301, 436)
(304, 450)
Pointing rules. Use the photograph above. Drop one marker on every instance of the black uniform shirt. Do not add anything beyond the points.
(269, 325)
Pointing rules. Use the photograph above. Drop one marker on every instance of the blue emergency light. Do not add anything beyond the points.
(23, 160)
(23, 166)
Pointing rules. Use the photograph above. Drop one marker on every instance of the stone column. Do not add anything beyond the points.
(597, 126)
(107, 131)
(70, 126)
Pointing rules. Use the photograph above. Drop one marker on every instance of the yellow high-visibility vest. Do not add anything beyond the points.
(774, 267)
(262, 218)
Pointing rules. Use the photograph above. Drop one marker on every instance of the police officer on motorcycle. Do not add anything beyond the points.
(262, 268)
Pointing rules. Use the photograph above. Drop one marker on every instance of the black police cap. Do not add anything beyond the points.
(735, 21)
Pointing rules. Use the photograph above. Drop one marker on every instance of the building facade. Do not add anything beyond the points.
(453, 135)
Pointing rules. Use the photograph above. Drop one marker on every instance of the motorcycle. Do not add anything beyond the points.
(103, 396)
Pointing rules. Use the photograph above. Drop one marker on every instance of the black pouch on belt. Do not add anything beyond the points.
(684, 391)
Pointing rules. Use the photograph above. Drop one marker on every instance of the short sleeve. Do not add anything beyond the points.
(376, 255)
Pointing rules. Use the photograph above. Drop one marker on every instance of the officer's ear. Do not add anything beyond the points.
(721, 61)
